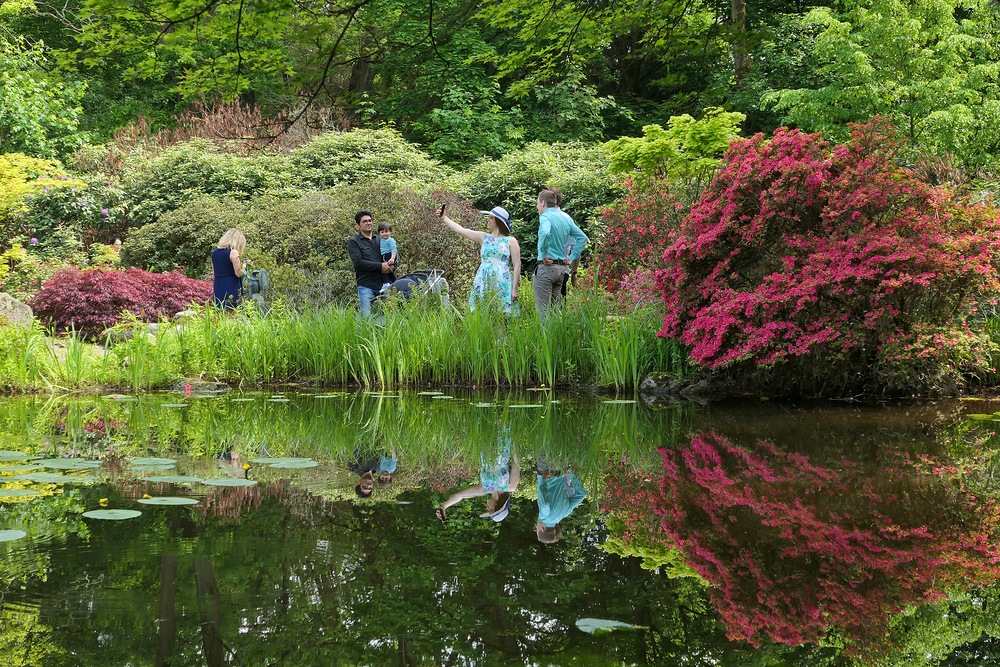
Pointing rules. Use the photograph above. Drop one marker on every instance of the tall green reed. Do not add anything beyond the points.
(409, 344)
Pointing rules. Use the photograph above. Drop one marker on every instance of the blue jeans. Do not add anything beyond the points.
(365, 296)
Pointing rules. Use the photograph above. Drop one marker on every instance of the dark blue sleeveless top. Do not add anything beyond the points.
(228, 288)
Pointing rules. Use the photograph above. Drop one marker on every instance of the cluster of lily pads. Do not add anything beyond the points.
(27, 466)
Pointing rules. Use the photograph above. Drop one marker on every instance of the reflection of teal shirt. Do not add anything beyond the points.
(386, 464)
(558, 496)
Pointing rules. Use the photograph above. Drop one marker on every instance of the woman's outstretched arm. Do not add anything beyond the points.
(459, 229)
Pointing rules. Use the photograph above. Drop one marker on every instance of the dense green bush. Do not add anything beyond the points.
(302, 242)
(168, 181)
(360, 155)
(580, 171)
(91, 206)
(184, 238)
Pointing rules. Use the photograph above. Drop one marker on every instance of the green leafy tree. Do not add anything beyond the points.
(688, 150)
(39, 109)
(929, 66)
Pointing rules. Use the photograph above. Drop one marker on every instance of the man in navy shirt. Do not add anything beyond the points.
(366, 255)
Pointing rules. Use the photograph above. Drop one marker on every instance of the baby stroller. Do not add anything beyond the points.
(423, 281)
(255, 286)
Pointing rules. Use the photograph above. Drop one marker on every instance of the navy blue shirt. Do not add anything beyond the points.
(366, 255)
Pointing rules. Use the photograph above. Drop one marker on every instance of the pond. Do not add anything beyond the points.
(736, 534)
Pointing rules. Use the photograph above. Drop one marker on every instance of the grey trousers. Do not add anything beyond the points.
(547, 286)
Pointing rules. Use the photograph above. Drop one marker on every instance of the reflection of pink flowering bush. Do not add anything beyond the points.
(800, 251)
(793, 548)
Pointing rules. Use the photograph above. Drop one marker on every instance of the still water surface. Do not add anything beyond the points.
(730, 534)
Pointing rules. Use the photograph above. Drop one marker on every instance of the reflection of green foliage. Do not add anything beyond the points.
(655, 556)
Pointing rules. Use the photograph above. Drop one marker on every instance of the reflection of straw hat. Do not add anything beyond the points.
(501, 513)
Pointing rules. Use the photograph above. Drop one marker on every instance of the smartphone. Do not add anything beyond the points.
(441, 211)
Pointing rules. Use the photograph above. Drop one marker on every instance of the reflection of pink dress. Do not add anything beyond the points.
(494, 272)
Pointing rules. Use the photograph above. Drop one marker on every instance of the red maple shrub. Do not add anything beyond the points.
(89, 301)
(835, 266)
(793, 548)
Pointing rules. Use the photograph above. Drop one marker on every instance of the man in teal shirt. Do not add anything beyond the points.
(560, 243)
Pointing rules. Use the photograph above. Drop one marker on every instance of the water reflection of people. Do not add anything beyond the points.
(369, 466)
(497, 479)
(559, 493)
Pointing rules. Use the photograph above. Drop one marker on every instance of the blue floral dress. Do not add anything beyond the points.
(494, 472)
(494, 273)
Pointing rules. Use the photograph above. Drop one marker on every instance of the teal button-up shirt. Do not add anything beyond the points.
(555, 231)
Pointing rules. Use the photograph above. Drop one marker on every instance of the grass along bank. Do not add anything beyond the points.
(419, 343)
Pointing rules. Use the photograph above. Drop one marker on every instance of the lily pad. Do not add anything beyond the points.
(17, 493)
(279, 400)
(295, 464)
(271, 460)
(78, 479)
(441, 397)
(22, 466)
(45, 477)
(70, 464)
(618, 401)
(241, 400)
(230, 481)
(112, 515)
(11, 535)
(602, 626)
(330, 396)
(172, 479)
(175, 405)
(168, 500)
(154, 466)
(484, 405)
(980, 418)
(7, 455)
(151, 461)
(527, 405)
(121, 397)
(430, 393)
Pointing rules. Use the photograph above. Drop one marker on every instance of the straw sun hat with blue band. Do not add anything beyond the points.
(502, 215)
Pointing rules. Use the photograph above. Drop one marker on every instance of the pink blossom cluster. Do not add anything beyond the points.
(638, 229)
(801, 249)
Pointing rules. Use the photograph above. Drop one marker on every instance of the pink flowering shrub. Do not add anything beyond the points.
(638, 228)
(92, 300)
(830, 264)
(793, 548)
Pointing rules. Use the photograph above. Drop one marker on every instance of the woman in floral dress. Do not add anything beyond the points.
(500, 269)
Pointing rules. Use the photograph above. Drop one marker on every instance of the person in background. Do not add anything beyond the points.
(365, 251)
(227, 269)
(387, 246)
(555, 231)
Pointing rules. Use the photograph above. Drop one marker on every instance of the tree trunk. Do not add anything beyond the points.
(166, 614)
(741, 58)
